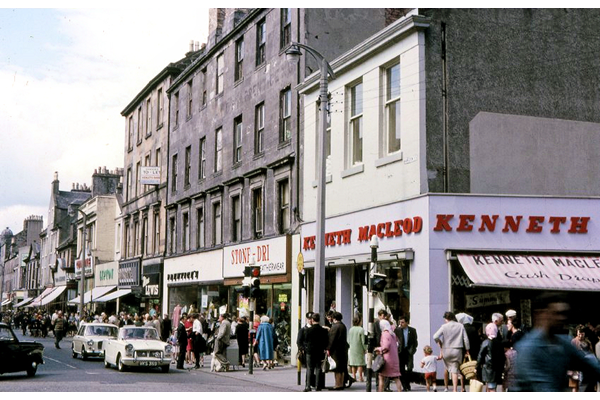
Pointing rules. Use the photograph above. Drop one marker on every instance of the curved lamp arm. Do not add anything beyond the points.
(293, 50)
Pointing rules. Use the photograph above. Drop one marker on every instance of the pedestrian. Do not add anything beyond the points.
(223, 340)
(165, 328)
(264, 340)
(242, 340)
(176, 313)
(407, 347)
(583, 344)
(357, 349)
(338, 349)
(453, 341)
(491, 359)
(381, 315)
(182, 341)
(514, 332)
(316, 342)
(388, 348)
(189, 349)
(544, 356)
(429, 367)
(301, 339)
(198, 342)
(510, 354)
(59, 328)
(498, 320)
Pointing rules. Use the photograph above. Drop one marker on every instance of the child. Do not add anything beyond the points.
(173, 342)
(428, 363)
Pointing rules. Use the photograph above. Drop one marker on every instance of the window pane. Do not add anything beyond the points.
(393, 126)
(393, 82)
(357, 97)
(357, 140)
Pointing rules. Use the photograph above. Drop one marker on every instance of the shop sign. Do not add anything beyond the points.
(387, 229)
(150, 285)
(271, 255)
(510, 223)
(488, 299)
(89, 267)
(129, 273)
(178, 277)
(150, 176)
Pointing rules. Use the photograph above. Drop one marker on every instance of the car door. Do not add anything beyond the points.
(78, 339)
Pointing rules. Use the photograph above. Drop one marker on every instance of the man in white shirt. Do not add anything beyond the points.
(197, 339)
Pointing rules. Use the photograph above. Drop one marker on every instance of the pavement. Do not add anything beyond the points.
(285, 377)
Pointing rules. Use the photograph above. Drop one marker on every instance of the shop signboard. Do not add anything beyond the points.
(150, 176)
(270, 254)
(488, 299)
(89, 267)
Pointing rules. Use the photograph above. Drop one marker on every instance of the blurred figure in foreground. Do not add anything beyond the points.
(545, 355)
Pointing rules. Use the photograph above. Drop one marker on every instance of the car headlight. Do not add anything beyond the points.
(90, 343)
(168, 350)
(129, 350)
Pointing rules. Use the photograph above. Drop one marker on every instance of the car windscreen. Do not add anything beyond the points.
(101, 330)
(139, 333)
(6, 335)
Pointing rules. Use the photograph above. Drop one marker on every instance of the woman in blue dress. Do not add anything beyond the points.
(264, 340)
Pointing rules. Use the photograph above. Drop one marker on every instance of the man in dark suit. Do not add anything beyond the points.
(316, 340)
(407, 347)
(182, 341)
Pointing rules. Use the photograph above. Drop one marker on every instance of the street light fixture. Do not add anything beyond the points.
(293, 55)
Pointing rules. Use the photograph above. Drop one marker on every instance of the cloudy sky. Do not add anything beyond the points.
(65, 77)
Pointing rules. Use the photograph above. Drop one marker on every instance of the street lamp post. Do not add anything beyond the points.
(293, 54)
(82, 277)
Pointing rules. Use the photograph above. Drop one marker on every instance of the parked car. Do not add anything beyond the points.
(16, 355)
(137, 347)
(90, 338)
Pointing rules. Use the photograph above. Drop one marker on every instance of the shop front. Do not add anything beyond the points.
(130, 283)
(194, 282)
(274, 258)
(106, 276)
(463, 253)
(151, 285)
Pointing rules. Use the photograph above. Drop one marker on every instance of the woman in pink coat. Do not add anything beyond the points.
(388, 347)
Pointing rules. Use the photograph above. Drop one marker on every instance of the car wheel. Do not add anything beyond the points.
(165, 368)
(32, 369)
(74, 353)
(120, 366)
(83, 353)
(106, 363)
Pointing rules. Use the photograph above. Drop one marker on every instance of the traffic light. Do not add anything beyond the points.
(254, 281)
(245, 289)
(378, 282)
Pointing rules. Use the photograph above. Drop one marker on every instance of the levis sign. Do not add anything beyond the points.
(510, 223)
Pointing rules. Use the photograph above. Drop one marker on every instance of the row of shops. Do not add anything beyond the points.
(438, 252)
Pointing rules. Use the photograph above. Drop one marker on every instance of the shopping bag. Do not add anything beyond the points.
(475, 386)
(331, 363)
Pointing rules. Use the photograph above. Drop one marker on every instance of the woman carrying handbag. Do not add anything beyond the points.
(388, 347)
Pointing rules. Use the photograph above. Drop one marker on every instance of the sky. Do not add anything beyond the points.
(65, 76)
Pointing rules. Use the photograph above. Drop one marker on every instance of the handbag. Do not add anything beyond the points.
(469, 368)
(301, 357)
(378, 363)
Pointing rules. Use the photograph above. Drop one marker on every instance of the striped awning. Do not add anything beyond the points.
(527, 271)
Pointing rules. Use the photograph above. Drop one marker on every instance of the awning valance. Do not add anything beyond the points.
(114, 295)
(527, 271)
(93, 295)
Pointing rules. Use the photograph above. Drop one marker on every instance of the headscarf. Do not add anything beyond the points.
(491, 330)
(385, 325)
(264, 318)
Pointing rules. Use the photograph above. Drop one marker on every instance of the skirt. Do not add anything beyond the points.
(452, 359)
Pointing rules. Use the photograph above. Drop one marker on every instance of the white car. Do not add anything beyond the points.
(90, 338)
(137, 347)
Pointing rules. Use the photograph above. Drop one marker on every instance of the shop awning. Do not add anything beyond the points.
(93, 295)
(5, 302)
(114, 295)
(37, 301)
(527, 271)
(23, 302)
(53, 295)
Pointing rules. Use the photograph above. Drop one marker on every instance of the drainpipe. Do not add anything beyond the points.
(445, 111)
